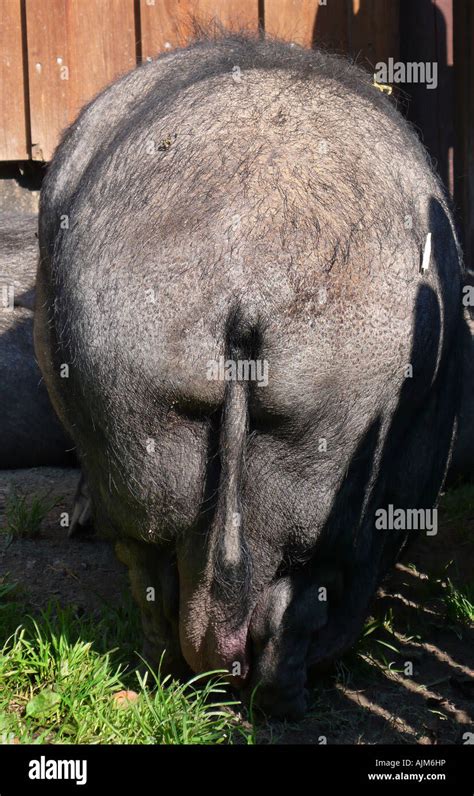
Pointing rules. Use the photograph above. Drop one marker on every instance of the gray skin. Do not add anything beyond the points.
(279, 212)
(30, 432)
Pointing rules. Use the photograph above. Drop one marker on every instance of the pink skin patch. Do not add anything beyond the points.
(220, 650)
(231, 651)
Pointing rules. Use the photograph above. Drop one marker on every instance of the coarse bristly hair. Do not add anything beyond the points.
(235, 197)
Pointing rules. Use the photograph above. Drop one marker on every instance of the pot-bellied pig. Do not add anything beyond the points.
(30, 433)
(461, 466)
(249, 300)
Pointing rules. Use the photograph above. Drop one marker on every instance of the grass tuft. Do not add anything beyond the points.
(24, 515)
(459, 603)
(60, 682)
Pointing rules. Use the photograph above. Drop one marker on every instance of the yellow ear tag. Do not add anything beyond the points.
(383, 87)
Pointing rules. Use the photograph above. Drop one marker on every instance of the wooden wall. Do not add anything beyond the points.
(14, 113)
(57, 54)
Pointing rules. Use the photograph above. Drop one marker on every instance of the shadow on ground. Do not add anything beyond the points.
(410, 678)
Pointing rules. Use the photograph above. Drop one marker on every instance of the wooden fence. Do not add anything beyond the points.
(57, 54)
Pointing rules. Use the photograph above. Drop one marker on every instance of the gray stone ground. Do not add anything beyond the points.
(19, 187)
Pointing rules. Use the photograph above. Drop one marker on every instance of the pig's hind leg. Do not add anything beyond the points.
(154, 583)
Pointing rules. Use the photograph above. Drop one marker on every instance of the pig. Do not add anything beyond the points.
(30, 432)
(244, 202)
(461, 467)
(19, 255)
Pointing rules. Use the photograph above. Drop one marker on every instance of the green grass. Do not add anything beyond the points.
(457, 599)
(60, 675)
(24, 515)
(371, 649)
(60, 672)
(459, 603)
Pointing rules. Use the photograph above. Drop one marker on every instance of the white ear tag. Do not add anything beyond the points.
(425, 263)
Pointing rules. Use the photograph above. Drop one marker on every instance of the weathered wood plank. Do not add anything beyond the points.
(234, 14)
(292, 20)
(75, 48)
(166, 24)
(13, 110)
(368, 30)
(101, 44)
(307, 22)
(425, 37)
(48, 88)
(374, 33)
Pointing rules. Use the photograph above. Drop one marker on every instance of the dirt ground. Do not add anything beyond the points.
(371, 696)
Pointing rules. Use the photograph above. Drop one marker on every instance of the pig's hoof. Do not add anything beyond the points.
(81, 520)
